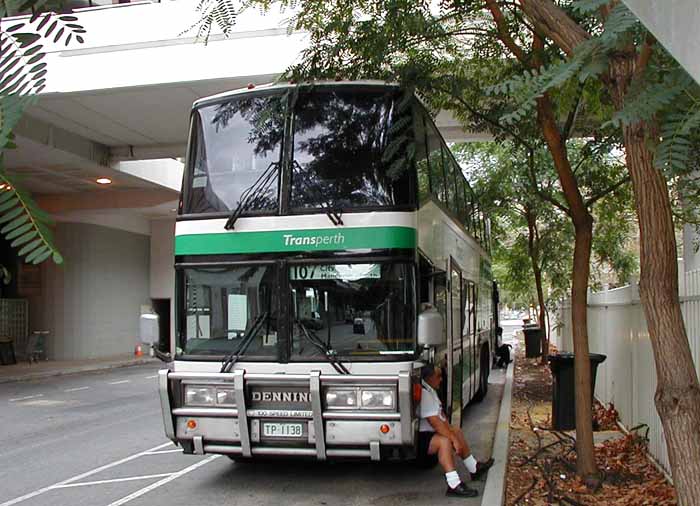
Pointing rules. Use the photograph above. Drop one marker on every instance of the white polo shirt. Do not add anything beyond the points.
(430, 405)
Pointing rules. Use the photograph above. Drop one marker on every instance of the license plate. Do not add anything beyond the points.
(270, 429)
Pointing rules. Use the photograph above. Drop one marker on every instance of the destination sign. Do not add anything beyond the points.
(351, 272)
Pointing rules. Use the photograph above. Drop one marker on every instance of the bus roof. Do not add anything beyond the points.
(280, 86)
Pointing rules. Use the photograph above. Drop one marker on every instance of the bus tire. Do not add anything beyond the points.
(483, 374)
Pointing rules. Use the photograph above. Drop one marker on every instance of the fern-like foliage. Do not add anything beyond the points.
(221, 13)
(24, 225)
(589, 6)
(23, 73)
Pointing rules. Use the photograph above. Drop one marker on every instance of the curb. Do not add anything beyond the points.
(75, 370)
(494, 490)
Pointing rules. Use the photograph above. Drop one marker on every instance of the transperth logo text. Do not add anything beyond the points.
(314, 241)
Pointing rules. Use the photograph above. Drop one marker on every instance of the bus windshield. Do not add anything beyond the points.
(222, 305)
(346, 143)
(235, 142)
(355, 309)
(349, 149)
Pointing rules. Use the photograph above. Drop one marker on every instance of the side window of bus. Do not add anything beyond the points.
(450, 182)
(462, 189)
(437, 173)
(422, 167)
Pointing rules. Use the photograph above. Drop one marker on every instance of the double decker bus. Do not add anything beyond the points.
(327, 246)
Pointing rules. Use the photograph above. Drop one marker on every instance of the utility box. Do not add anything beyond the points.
(149, 329)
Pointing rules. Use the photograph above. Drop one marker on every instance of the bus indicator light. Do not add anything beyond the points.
(417, 392)
(191, 424)
(384, 429)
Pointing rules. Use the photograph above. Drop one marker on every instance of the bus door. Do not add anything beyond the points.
(468, 388)
(454, 342)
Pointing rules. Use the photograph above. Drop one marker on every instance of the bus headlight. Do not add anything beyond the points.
(226, 396)
(336, 398)
(196, 395)
(378, 399)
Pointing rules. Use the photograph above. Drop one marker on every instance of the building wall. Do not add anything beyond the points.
(162, 270)
(91, 304)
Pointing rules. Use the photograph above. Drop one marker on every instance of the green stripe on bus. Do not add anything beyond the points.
(329, 239)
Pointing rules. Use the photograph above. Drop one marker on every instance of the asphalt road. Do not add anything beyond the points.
(96, 439)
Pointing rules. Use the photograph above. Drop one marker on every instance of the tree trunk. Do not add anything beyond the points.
(583, 227)
(533, 246)
(677, 394)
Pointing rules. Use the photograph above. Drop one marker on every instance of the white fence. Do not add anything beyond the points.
(617, 328)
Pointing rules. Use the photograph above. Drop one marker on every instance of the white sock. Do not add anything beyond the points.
(452, 479)
(470, 464)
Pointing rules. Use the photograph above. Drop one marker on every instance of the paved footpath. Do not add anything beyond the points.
(96, 439)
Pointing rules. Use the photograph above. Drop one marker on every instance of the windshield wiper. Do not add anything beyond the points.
(335, 215)
(253, 194)
(233, 357)
(325, 350)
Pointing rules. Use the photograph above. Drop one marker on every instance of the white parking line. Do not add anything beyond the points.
(76, 389)
(162, 482)
(151, 377)
(119, 382)
(81, 476)
(25, 398)
(114, 480)
(176, 450)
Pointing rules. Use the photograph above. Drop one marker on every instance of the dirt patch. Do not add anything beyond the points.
(542, 462)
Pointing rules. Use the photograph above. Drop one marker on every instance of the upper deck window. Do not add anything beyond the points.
(346, 146)
(235, 142)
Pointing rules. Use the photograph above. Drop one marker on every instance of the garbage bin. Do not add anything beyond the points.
(533, 341)
(563, 398)
(7, 352)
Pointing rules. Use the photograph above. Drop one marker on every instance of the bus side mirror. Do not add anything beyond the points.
(430, 326)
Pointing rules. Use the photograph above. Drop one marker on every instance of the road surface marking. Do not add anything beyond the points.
(83, 475)
(114, 480)
(119, 382)
(76, 389)
(25, 398)
(178, 450)
(151, 377)
(162, 482)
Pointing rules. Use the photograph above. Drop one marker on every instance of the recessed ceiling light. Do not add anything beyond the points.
(103, 180)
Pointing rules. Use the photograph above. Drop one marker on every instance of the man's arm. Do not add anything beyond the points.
(445, 429)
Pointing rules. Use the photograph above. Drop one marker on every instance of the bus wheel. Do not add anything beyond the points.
(483, 375)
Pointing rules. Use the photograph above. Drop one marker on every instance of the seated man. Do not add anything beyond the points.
(439, 438)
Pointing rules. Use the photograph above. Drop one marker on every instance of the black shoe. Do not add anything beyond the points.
(481, 469)
(461, 490)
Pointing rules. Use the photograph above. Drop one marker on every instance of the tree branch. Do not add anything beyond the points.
(644, 55)
(535, 186)
(596, 197)
(571, 118)
(555, 24)
(519, 139)
(503, 33)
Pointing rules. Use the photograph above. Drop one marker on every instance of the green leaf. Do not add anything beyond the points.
(42, 257)
(25, 238)
(11, 215)
(30, 247)
(34, 254)
(16, 222)
(19, 230)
